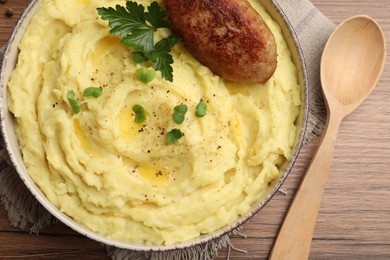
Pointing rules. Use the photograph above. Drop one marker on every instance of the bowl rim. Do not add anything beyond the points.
(30, 184)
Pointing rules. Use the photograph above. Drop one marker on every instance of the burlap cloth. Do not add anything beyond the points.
(312, 29)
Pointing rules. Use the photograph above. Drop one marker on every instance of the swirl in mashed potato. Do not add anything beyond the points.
(120, 178)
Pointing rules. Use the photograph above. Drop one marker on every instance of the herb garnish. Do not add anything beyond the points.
(173, 136)
(137, 27)
(88, 92)
(140, 114)
(138, 57)
(74, 103)
(201, 109)
(179, 113)
(145, 75)
(93, 92)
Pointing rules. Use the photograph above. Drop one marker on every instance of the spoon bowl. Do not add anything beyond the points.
(352, 61)
(351, 65)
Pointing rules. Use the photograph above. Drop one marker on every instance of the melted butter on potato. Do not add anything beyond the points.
(129, 129)
(156, 175)
(104, 47)
(81, 136)
(120, 178)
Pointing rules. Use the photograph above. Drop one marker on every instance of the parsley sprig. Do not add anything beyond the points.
(136, 27)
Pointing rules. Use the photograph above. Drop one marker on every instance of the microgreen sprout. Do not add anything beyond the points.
(140, 114)
(201, 109)
(75, 104)
(173, 136)
(93, 92)
(179, 113)
(145, 75)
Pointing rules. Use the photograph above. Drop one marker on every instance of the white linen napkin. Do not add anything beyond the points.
(312, 29)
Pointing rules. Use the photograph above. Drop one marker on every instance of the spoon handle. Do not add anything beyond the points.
(295, 236)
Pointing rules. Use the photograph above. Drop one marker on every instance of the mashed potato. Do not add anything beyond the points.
(121, 179)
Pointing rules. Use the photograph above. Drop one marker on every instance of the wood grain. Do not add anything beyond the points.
(354, 218)
(343, 92)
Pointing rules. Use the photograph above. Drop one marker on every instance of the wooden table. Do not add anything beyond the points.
(354, 219)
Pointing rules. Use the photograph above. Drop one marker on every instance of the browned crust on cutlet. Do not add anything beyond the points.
(228, 36)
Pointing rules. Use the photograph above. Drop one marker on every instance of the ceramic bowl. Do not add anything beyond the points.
(11, 142)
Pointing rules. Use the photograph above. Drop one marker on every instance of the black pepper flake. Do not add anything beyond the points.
(148, 151)
(159, 173)
(219, 147)
(9, 12)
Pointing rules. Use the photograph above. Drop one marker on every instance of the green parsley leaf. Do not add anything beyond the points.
(173, 136)
(179, 113)
(201, 109)
(140, 39)
(163, 64)
(93, 92)
(145, 75)
(137, 27)
(166, 43)
(161, 57)
(123, 21)
(156, 16)
(137, 11)
(74, 103)
(138, 57)
(140, 114)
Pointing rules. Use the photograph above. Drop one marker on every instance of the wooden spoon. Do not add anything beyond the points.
(352, 62)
